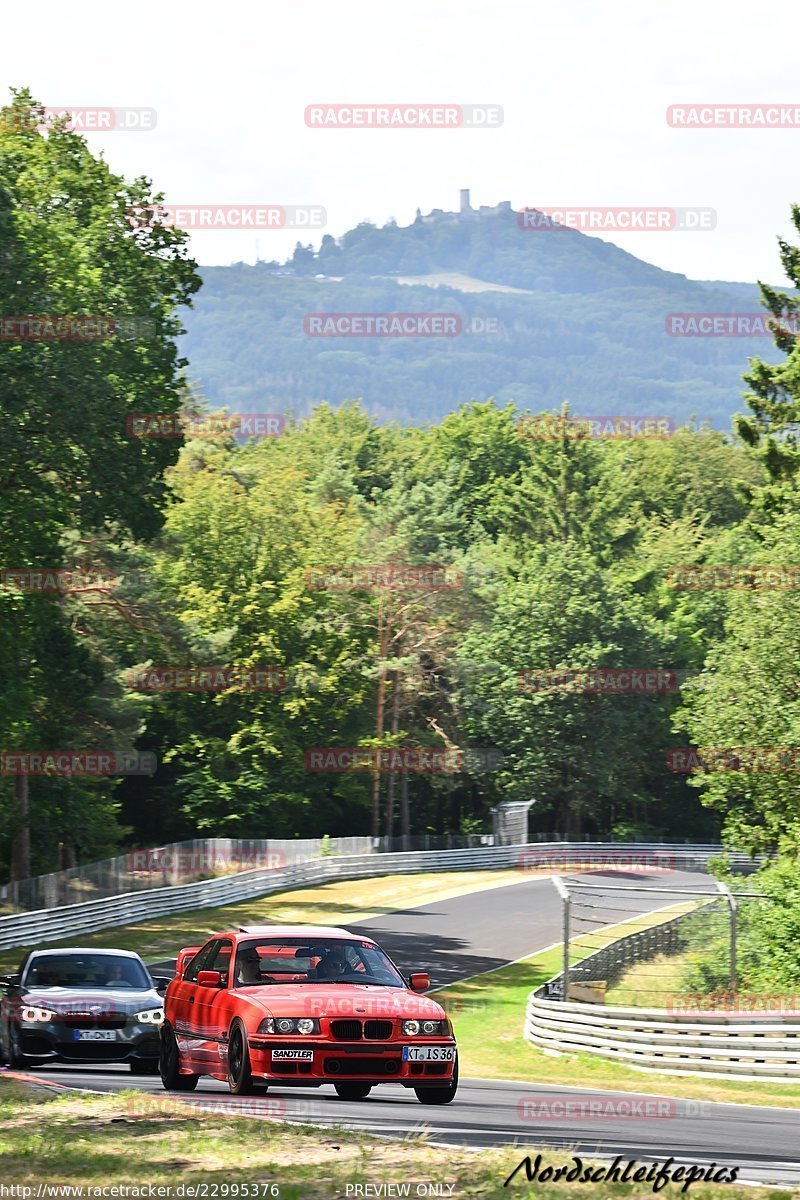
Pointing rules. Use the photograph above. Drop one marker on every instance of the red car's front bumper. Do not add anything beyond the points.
(339, 1062)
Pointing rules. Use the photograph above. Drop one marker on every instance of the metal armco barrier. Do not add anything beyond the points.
(752, 1046)
(194, 859)
(56, 924)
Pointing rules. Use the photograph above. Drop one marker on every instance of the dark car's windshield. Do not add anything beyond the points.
(85, 971)
(321, 960)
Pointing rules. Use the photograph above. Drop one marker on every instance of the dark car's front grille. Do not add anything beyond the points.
(93, 1051)
(362, 1066)
(346, 1031)
(377, 1031)
(85, 1020)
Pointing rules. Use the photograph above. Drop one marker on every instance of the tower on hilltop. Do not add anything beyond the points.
(465, 204)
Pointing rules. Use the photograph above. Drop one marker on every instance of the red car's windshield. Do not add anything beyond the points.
(323, 960)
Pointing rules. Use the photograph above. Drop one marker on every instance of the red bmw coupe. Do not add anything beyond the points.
(302, 1005)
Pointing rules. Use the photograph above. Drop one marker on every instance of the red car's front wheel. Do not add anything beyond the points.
(240, 1074)
(169, 1064)
(439, 1095)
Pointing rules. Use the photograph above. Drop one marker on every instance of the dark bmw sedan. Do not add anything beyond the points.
(81, 1006)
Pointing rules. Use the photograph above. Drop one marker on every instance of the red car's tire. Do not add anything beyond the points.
(240, 1075)
(439, 1095)
(169, 1064)
(353, 1091)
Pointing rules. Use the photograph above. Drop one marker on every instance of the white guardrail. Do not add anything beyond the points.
(725, 1044)
(56, 924)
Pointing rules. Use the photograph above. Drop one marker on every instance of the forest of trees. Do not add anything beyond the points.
(560, 555)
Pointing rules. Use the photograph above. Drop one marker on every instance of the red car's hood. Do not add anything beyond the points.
(341, 1000)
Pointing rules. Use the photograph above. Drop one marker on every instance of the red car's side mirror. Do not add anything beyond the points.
(209, 979)
(420, 981)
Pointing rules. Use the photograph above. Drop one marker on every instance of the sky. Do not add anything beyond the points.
(584, 88)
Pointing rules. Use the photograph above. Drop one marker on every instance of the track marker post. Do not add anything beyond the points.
(566, 902)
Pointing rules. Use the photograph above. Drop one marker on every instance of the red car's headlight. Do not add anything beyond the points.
(289, 1025)
(426, 1028)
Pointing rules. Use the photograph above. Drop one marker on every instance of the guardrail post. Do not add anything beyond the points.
(565, 900)
(729, 896)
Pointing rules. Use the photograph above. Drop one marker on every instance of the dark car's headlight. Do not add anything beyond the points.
(151, 1016)
(289, 1025)
(32, 1013)
(426, 1028)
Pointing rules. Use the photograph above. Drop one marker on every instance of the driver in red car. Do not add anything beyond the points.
(332, 966)
(249, 966)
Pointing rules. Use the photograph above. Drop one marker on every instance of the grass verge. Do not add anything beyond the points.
(488, 1014)
(94, 1142)
(650, 984)
(330, 904)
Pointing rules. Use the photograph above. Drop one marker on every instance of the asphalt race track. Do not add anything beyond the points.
(466, 935)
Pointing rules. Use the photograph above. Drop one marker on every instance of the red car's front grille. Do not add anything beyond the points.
(346, 1031)
(353, 1031)
(377, 1031)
